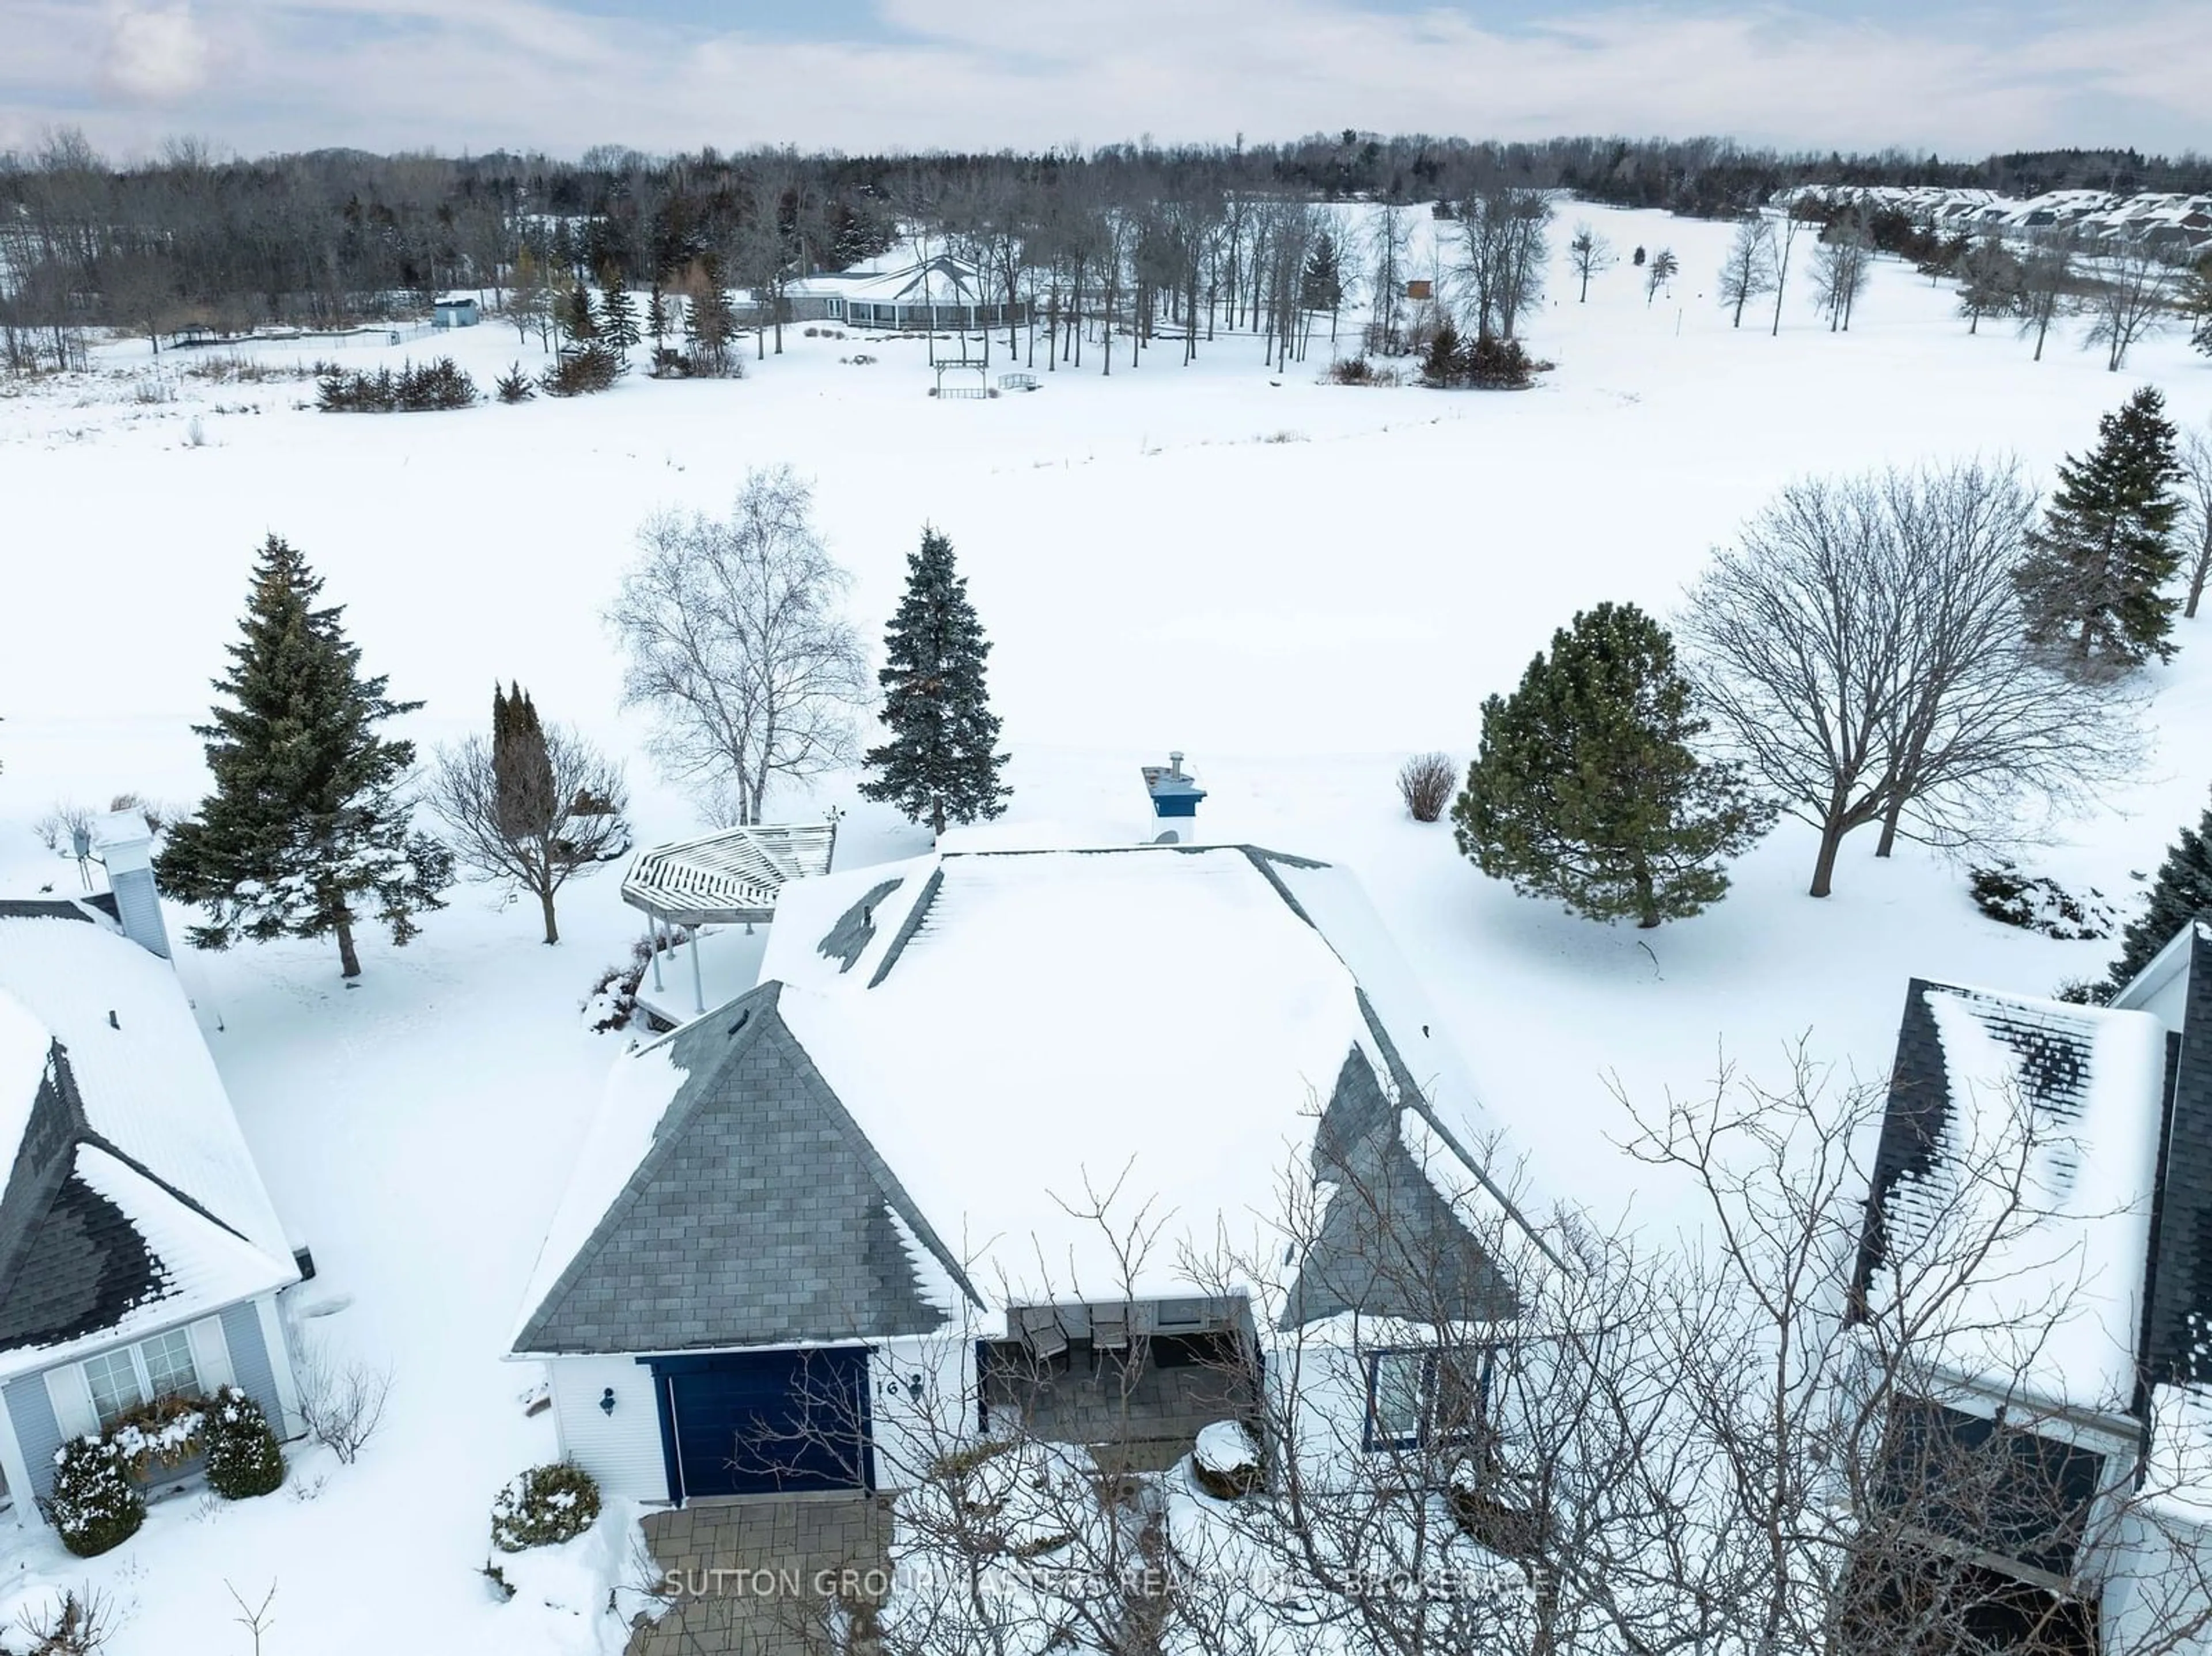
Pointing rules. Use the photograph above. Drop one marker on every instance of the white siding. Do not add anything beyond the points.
(16, 1469)
(909, 1433)
(622, 1449)
(275, 1336)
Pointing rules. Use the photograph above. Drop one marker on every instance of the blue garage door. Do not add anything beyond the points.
(760, 1422)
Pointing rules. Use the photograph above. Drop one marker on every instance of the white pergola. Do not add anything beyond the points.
(722, 879)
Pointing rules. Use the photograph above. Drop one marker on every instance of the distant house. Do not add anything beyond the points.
(140, 1257)
(847, 1206)
(904, 289)
(2082, 1347)
(456, 311)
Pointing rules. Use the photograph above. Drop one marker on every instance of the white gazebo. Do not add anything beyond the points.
(722, 879)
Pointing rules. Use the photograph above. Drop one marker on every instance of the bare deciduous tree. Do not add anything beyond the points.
(1841, 263)
(1658, 271)
(1749, 271)
(735, 642)
(1588, 253)
(567, 821)
(1862, 651)
(1792, 227)
(2132, 298)
(2046, 279)
(2197, 524)
(1502, 259)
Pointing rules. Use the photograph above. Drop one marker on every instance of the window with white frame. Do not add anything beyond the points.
(113, 1378)
(170, 1372)
(1421, 1396)
(132, 1376)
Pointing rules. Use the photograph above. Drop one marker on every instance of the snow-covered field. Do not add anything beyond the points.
(1296, 584)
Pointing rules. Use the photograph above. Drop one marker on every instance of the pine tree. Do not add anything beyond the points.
(576, 319)
(522, 768)
(618, 318)
(306, 829)
(939, 764)
(1442, 365)
(1586, 788)
(2181, 892)
(656, 323)
(2091, 586)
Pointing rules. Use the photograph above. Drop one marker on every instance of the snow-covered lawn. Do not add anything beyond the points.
(1296, 584)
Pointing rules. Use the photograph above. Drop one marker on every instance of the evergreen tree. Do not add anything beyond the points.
(2181, 892)
(576, 319)
(522, 768)
(939, 764)
(618, 318)
(1586, 789)
(1991, 281)
(305, 830)
(656, 322)
(2091, 586)
(1442, 365)
(709, 321)
(528, 299)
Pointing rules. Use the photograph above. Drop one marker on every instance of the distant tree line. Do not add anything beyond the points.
(331, 236)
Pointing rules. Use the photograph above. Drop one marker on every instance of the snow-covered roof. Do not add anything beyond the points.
(729, 876)
(132, 1203)
(1024, 1035)
(2033, 1128)
(953, 1063)
(904, 276)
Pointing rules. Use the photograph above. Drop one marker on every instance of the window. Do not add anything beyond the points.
(169, 1371)
(1422, 1396)
(130, 1375)
(1395, 1384)
(114, 1380)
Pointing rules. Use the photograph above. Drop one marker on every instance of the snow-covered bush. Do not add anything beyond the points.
(544, 1507)
(1226, 1462)
(2036, 902)
(243, 1458)
(94, 1505)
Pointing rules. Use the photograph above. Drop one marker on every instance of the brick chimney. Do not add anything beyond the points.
(126, 846)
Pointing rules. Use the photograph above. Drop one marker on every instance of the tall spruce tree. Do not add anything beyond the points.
(306, 832)
(939, 765)
(618, 317)
(2092, 585)
(2182, 892)
(1586, 788)
(522, 768)
(576, 318)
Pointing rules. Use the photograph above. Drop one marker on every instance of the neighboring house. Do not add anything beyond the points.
(904, 288)
(862, 1201)
(140, 1256)
(2081, 1345)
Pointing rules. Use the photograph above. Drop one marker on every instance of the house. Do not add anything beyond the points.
(899, 1187)
(140, 1256)
(456, 311)
(2071, 1147)
(905, 288)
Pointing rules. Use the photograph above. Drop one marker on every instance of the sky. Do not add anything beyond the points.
(1963, 78)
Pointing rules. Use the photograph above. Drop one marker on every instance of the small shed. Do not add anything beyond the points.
(457, 310)
(1419, 288)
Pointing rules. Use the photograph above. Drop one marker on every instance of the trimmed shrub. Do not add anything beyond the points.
(94, 1505)
(1226, 1462)
(243, 1457)
(1425, 783)
(544, 1507)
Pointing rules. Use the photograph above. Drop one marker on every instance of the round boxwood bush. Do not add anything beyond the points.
(545, 1505)
(95, 1504)
(243, 1459)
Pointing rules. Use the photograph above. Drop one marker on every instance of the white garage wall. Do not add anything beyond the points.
(622, 1449)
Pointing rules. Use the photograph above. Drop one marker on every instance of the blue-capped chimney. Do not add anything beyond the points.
(1175, 795)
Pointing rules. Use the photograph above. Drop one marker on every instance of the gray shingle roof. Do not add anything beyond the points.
(2178, 1324)
(759, 1215)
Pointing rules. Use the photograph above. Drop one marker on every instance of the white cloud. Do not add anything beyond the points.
(156, 53)
(451, 74)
